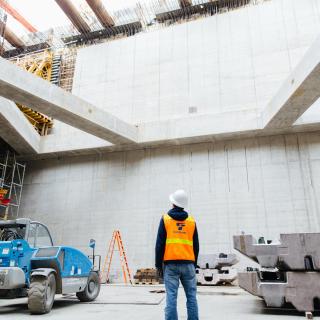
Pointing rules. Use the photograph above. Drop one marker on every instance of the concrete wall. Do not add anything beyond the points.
(223, 63)
(228, 62)
(262, 186)
(231, 61)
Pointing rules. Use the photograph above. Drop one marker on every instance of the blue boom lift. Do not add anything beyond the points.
(30, 265)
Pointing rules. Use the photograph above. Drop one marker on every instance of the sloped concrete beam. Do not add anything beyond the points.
(25, 88)
(16, 130)
(297, 93)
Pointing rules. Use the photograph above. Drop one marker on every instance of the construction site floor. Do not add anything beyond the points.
(138, 303)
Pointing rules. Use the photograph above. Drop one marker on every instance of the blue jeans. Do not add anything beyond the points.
(186, 273)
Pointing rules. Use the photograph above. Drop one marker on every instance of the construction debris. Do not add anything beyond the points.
(216, 269)
(289, 269)
(147, 276)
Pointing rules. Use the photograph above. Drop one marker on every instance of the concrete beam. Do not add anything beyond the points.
(25, 88)
(299, 92)
(16, 130)
(166, 133)
(199, 128)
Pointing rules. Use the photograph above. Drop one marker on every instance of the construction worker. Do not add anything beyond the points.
(177, 250)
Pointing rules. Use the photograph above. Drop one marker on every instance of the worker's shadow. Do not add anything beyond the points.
(22, 307)
(286, 310)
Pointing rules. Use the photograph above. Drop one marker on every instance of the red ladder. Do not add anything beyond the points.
(116, 239)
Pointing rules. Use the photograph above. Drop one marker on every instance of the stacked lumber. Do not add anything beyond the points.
(147, 276)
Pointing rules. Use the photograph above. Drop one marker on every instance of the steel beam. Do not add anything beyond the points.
(15, 14)
(72, 13)
(23, 87)
(11, 37)
(101, 13)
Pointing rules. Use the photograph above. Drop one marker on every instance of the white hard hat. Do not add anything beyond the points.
(179, 198)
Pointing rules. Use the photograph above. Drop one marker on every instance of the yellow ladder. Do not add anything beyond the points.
(105, 274)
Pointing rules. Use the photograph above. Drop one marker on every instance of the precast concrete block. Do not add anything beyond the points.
(294, 251)
(214, 269)
(216, 276)
(301, 289)
(216, 261)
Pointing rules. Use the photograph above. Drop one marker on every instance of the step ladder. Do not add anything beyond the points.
(105, 274)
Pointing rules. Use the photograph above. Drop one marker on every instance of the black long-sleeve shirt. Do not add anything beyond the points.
(180, 215)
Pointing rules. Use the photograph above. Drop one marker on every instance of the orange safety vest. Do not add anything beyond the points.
(179, 243)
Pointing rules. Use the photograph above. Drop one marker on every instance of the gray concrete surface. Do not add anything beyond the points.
(174, 85)
(301, 289)
(21, 86)
(214, 303)
(297, 94)
(232, 61)
(287, 254)
(16, 130)
(263, 186)
(181, 87)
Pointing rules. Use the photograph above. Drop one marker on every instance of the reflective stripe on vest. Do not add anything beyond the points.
(188, 242)
(179, 243)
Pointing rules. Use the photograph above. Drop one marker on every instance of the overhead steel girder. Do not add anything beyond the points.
(11, 37)
(16, 15)
(298, 288)
(294, 251)
(101, 13)
(72, 13)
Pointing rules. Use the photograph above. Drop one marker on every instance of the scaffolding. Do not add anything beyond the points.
(11, 185)
(67, 67)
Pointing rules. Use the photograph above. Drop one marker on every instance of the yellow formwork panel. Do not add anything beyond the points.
(40, 65)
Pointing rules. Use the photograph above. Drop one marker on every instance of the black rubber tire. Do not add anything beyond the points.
(41, 294)
(91, 290)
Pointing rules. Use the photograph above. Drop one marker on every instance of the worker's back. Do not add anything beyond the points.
(179, 242)
(177, 250)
